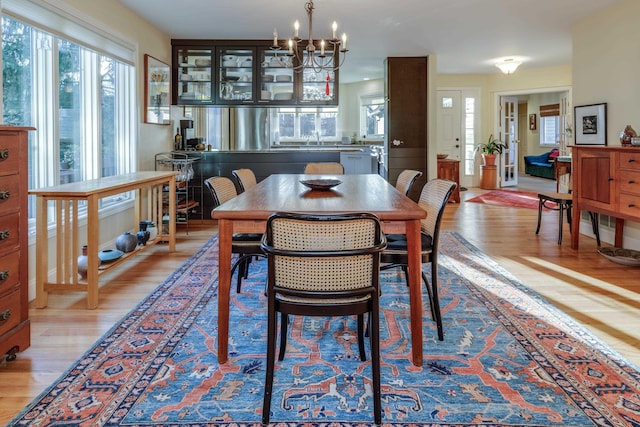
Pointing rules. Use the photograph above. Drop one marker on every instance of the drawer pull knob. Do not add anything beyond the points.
(632, 160)
(610, 179)
(4, 154)
(631, 182)
(5, 315)
(4, 195)
(632, 205)
(4, 234)
(4, 275)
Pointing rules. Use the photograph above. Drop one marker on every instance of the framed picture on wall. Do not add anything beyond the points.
(532, 122)
(591, 124)
(156, 91)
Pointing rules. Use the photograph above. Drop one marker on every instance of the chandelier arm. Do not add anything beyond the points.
(318, 63)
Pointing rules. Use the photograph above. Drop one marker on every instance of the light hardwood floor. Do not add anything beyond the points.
(601, 295)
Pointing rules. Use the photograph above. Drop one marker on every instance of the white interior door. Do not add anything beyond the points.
(509, 136)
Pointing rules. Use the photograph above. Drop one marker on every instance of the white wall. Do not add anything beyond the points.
(605, 69)
(350, 93)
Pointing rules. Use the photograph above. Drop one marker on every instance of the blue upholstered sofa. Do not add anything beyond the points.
(540, 165)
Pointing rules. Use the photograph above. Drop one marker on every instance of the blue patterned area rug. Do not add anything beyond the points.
(508, 358)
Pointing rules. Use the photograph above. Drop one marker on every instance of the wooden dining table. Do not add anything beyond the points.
(248, 213)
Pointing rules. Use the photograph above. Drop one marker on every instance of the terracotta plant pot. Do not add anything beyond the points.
(489, 159)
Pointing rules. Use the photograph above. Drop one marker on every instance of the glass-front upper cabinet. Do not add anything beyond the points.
(318, 84)
(276, 77)
(235, 75)
(193, 77)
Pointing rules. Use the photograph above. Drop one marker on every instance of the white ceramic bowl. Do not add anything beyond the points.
(229, 63)
(283, 96)
(202, 62)
(283, 78)
(265, 95)
(185, 77)
(229, 58)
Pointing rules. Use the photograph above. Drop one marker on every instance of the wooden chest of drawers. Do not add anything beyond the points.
(14, 294)
(607, 181)
(450, 169)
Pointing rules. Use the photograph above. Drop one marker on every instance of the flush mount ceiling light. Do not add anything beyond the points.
(329, 56)
(509, 65)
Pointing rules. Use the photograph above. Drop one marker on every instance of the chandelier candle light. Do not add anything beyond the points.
(317, 61)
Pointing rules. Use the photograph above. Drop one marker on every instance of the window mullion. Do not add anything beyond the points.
(44, 84)
(90, 115)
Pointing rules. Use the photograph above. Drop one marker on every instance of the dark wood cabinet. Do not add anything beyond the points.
(15, 330)
(245, 72)
(406, 117)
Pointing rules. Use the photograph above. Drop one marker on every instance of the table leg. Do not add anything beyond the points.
(225, 230)
(415, 289)
(172, 214)
(42, 251)
(93, 237)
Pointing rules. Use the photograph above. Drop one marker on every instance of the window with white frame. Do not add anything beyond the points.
(311, 125)
(550, 125)
(81, 102)
(550, 130)
(372, 112)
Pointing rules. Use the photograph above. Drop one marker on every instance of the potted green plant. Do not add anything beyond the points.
(490, 149)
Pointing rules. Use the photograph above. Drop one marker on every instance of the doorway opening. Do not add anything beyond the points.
(528, 134)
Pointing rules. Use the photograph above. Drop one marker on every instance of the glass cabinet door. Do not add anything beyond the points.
(194, 76)
(235, 75)
(318, 86)
(276, 77)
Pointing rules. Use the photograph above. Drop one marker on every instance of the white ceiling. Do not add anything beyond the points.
(468, 36)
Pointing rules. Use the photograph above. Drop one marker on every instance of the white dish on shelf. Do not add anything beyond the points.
(267, 77)
(283, 96)
(202, 62)
(229, 63)
(185, 77)
(283, 78)
(229, 58)
(265, 95)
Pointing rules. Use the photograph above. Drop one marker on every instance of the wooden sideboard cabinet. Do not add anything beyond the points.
(606, 180)
(15, 330)
(450, 169)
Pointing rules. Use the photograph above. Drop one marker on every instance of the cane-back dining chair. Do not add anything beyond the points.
(433, 199)
(333, 168)
(245, 178)
(406, 179)
(245, 245)
(323, 265)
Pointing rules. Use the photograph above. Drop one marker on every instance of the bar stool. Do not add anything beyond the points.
(564, 202)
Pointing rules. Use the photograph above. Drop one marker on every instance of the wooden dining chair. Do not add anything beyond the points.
(332, 168)
(433, 199)
(406, 179)
(323, 265)
(245, 179)
(563, 203)
(245, 245)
